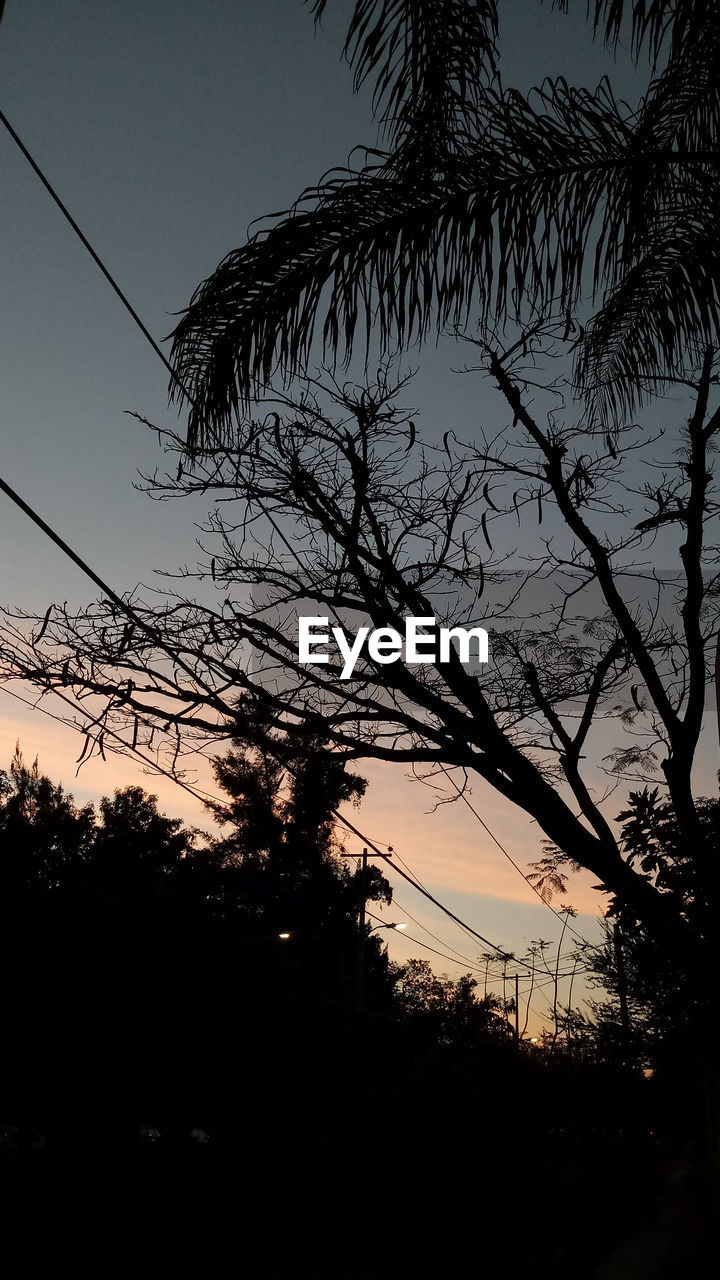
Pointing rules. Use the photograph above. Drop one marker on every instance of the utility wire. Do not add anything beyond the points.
(95, 257)
(509, 857)
(404, 864)
(147, 760)
(161, 644)
(429, 932)
(431, 897)
(473, 963)
(505, 955)
(115, 287)
(198, 794)
(397, 859)
(396, 855)
(522, 993)
(416, 941)
(157, 639)
(495, 978)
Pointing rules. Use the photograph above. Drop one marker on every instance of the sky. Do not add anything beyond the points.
(167, 127)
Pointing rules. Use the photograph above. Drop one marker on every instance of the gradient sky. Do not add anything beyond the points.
(166, 127)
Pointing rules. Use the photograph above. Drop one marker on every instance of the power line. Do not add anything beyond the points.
(431, 897)
(509, 857)
(505, 955)
(177, 381)
(416, 941)
(422, 886)
(180, 662)
(460, 956)
(473, 963)
(35, 706)
(198, 794)
(404, 864)
(95, 257)
(419, 881)
(494, 978)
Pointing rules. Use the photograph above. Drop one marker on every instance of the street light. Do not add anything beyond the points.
(391, 925)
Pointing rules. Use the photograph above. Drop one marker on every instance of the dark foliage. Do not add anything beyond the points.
(672, 998)
(147, 999)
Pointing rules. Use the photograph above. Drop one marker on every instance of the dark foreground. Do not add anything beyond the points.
(359, 1155)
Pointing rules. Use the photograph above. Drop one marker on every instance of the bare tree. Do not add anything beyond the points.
(328, 504)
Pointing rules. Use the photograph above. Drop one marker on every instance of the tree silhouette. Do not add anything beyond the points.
(448, 1012)
(154, 955)
(486, 200)
(669, 997)
(46, 839)
(136, 847)
(125, 1031)
(279, 869)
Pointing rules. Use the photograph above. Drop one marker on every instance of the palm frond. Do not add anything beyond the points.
(427, 60)
(548, 196)
(682, 105)
(662, 303)
(353, 243)
(511, 214)
(658, 316)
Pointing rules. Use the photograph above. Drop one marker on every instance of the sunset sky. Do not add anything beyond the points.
(167, 127)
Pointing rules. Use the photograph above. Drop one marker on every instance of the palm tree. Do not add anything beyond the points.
(483, 196)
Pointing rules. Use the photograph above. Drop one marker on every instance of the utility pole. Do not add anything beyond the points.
(517, 1011)
(361, 924)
